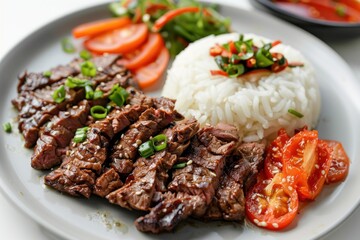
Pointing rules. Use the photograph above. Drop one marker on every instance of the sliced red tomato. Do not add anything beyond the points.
(122, 40)
(339, 167)
(97, 27)
(272, 205)
(273, 160)
(307, 160)
(145, 54)
(151, 73)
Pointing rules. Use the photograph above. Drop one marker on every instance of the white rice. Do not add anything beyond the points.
(257, 108)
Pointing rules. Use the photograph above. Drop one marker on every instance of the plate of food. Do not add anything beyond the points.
(250, 132)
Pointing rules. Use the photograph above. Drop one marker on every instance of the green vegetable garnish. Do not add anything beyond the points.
(98, 94)
(118, 95)
(159, 142)
(7, 127)
(59, 94)
(72, 82)
(47, 74)
(146, 149)
(98, 112)
(84, 54)
(88, 69)
(80, 134)
(179, 165)
(295, 113)
(89, 92)
(341, 10)
(67, 45)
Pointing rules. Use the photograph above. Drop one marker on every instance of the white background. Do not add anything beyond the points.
(20, 18)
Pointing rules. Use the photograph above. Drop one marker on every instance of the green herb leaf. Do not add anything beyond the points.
(59, 94)
(7, 127)
(47, 74)
(67, 45)
(86, 55)
(295, 113)
(88, 69)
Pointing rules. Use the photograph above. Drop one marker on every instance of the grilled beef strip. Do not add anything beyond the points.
(151, 122)
(194, 186)
(35, 101)
(57, 135)
(76, 175)
(229, 201)
(150, 174)
(48, 153)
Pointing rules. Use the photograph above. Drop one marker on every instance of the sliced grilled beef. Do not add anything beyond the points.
(35, 101)
(151, 122)
(150, 174)
(194, 186)
(107, 182)
(229, 201)
(77, 174)
(57, 135)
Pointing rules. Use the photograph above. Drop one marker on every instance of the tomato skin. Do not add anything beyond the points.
(148, 75)
(100, 26)
(339, 167)
(272, 205)
(273, 160)
(145, 55)
(122, 40)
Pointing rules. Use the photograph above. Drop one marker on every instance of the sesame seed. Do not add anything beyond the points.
(138, 142)
(118, 75)
(323, 172)
(256, 221)
(236, 166)
(189, 162)
(275, 225)
(283, 180)
(138, 192)
(122, 135)
(290, 188)
(117, 111)
(76, 107)
(263, 224)
(317, 166)
(127, 106)
(120, 155)
(212, 174)
(100, 69)
(126, 155)
(135, 145)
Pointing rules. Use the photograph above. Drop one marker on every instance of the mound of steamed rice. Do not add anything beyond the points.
(257, 108)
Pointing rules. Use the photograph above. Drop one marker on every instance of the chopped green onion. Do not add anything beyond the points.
(235, 70)
(7, 127)
(67, 45)
(159, 142)
(98, 94)
(98, 112)
(295, 113)
(47, 74)
(117, 9)
(72, 82)
(89, 92)
(341, 10)
(88, 69)
(262, 61)
(80, 134)
(118, 95)
(180, 165)
(59, 94)
(146, 149)
(86, 55)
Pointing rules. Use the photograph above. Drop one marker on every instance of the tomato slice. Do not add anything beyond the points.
(145, 54)
(151, 73)
(273, 160)
(339, 167)
(122, 40)
(97, 27)
(307, 160)
(272, 205)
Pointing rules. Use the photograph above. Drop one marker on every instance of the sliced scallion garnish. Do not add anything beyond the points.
(98, 112)
(67, 45)
(146, 149)
(180, 165)
(295, 113)
(72, 82)
(159, 142)
(84, 54)
(89, 92)
(59, 94)
(80, 134)
(88, 69)
(98, 94)
(47, 74)
(7, 127)
(118, 95)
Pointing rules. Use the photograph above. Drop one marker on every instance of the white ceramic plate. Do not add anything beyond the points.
(74, 218)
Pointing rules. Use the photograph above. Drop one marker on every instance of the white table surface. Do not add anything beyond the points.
(20, 18)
